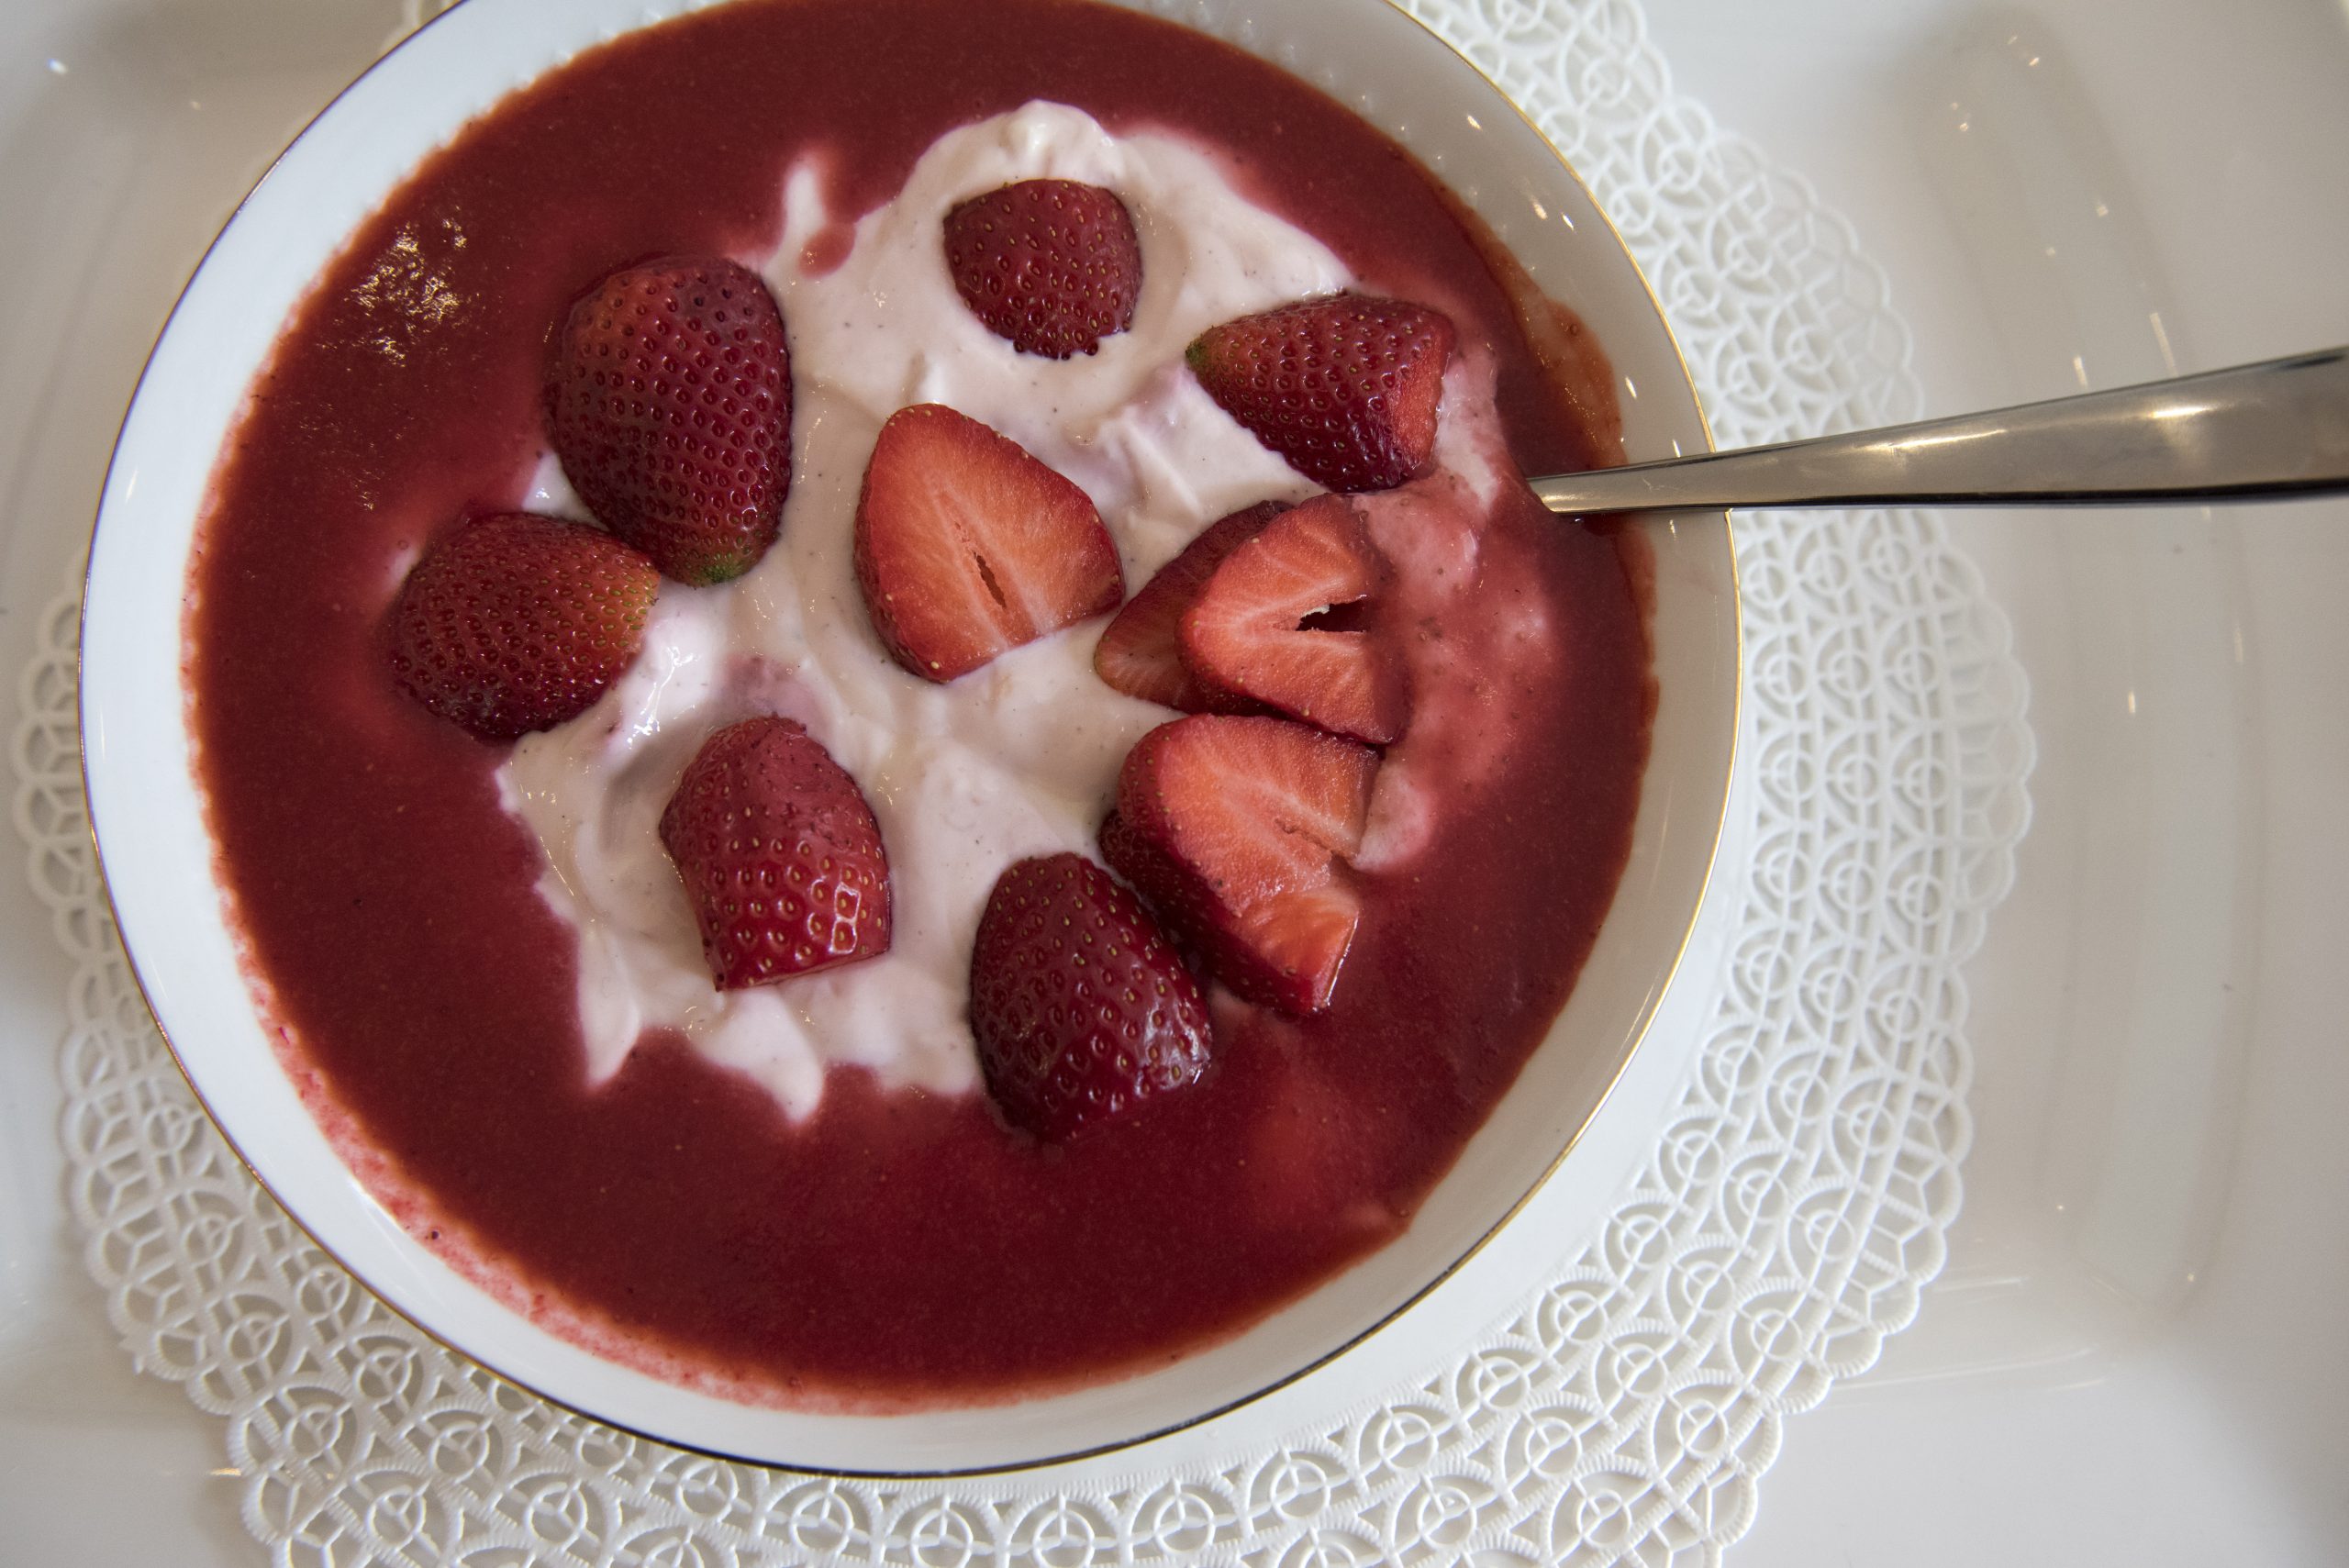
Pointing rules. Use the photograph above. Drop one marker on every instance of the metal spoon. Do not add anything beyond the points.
(2272, 429)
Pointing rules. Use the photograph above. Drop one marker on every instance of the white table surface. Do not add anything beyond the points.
(2135, 1354)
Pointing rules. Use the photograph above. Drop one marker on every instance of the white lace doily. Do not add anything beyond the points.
(1790, 1212)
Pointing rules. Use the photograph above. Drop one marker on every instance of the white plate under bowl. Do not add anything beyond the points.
(158, 857)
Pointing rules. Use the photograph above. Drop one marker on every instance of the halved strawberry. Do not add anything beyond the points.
(1053, 265)
(1248, 635)
(669, 402)
(1082, 1009)
(517, 622)
(779, 856)
(1345, 387)
(967, 547)
(1137, 652)
(1234, 827)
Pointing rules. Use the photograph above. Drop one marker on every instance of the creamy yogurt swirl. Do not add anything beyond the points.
(1019, 757)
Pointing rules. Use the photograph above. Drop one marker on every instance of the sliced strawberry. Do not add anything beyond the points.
(967, 547)
(1345, 387)
(1249, 636)
(780, 855)
(1082, 1009)
(1052, 264)
(1234, 827)
(669, 402)
(517, 622)
(1137, 652)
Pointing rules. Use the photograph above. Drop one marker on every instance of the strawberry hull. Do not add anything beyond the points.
(895, 1247)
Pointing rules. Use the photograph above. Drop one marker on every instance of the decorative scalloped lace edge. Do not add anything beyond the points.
(1795, 1206)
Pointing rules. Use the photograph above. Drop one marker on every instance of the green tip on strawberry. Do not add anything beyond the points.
(967, 546)
(1345, 387)
(517, 622)
(1235, 830)
(1138, 652)
(1053, 265)
(1083, 1011)
(668, 403)
(780, 855)
(1252, 633)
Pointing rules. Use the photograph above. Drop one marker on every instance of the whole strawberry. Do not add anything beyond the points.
(1053, 265)
(517, 622)
(1082, 1012)
(1345, 387)
(781, 858)
(669, 402)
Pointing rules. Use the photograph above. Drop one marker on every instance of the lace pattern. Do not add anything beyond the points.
(1794, 1206)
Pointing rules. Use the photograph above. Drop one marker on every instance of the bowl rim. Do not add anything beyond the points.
(655, 17)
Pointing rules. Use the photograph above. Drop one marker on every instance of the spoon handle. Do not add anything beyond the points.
(2276, 428)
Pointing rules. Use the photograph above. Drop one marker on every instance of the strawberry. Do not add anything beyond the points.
(1082, 1010)
(1247, 637)
(1234, 827)
(1138, 653)
(781, 858)
(669, 402)
(1162, 884)
(1052, 264)
(517, 622)
(967, 547)
(1345, 387)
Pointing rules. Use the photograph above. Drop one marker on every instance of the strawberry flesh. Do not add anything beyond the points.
(517, 622)
(669, 402)
(1053, 265)
(1250, 634)
(967, 546)
(780, 855)
(1234, 827)
(1083, 1011)
(1138, 652)
(1346, 387)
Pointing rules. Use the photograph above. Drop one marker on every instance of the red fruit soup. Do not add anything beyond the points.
(898, 1246)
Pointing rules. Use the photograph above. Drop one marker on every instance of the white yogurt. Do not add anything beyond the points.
(1019, 757)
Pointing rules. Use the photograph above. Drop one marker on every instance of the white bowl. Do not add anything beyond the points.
(158, 857)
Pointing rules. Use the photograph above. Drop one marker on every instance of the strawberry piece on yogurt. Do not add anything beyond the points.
(780, 855)
(967, 546)
(1053, 265)
(1345, 387)
(668, 403)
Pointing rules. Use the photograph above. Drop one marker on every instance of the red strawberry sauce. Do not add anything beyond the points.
(896, 1247)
